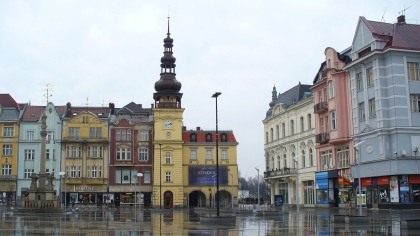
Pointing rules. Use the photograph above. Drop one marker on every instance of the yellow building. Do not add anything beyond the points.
(184, 161)
(85, 154)
(9, 133)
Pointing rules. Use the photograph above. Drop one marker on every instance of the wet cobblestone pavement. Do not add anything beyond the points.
(123, 221)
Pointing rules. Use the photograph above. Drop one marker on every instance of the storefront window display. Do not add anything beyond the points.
(415, 193)
(283, 191)
(86, 198)
(383, 194)
(322, 196)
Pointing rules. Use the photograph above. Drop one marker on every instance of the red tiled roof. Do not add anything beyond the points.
(201, 136)
(33, 113)
(7, 101)
(22, 105)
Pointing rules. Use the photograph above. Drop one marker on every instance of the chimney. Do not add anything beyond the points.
(140, 105)
(401, 19)
(111, 105)
(68, 105)
(198, 128)
(184, 128)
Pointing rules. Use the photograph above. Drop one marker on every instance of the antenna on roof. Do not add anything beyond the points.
(87, 102)
(103, 102)
(383, 19)
(403, 11)
(48, 88)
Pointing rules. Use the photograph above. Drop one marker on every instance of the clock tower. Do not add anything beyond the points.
(167, 174)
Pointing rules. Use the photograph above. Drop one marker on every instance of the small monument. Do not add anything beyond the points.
(41, 193)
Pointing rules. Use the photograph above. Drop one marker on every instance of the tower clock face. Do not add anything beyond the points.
(168, 124)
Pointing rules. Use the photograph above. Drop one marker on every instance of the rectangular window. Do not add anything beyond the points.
(224, 154)
(266, 137)
(79, 152)
(73, 151)
(94, 172)
(372, 109)
(100, 171)
(125, 176)
(144, 135)
(415, 102)
(7, 150)
(413, 70)
(28, 173)
(147, 176)
(292, 127)
(50, 136)
(73, 172)
(94, 151)
(88, 171)
(30, 135)
(343, 160)
(6, 170)
(193, 154)
(91, 132)
(302, 125)
(309, 121)
(118, 176)
(362, 115)
(168, 177)
(123, 135)
(100, 152)
(71, 132)
(8, 131)
(29, 154)
(331, 88)
(326, 160)
(209, 154)
(168, 158)
(53, 154)
(359, 79)
(47, 154)
(118, 135)
(99, 132)
(123, 153)
(283, 129)
(333, 120)
(277, 132)
(80, 172)
(143, 154)
(369, 77)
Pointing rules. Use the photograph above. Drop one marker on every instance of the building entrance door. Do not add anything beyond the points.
(168, 202)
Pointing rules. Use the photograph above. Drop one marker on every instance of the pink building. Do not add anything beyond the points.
(334, 145)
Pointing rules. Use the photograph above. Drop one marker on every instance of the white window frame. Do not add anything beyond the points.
(29, 154)
(94, 172)
(193, 154)
(6, 169)
(7, 150)
(8, 131)
(30, 135)
(47, 154)
(326, 160)
(372, 108)
(209, 154)
(144, 135)
(167, 158)
(333, 120)
(73, 172)
(147, 176)
(123, 154)
(413, 70)
(359, 81)
(415, 102)
(331, 88)
(168, 176)
(224, 154)
(28, 173)
(143, 154)
(362, 114)
(369, 77)
(343, 159)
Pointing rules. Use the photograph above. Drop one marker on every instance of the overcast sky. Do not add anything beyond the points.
(109, 51)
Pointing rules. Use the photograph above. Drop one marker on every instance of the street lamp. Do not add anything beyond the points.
(232, 187)
(258, 184)
(297, 180)
(215, 95)
(63, 174)
(160, 178)
(358, 169)
(137, 176)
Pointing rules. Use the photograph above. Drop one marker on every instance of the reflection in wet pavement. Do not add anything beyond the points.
(124, 221)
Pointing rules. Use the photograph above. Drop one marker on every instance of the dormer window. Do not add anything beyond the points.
(224, 137)
(193, 137)
(208, 137)
(364, 52)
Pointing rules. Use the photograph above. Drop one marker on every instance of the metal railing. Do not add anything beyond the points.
(41, 203)
(7, 177)
(320, 107)
(280, 172)
(322, 137)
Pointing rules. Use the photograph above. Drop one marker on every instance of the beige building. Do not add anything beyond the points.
(289, 132)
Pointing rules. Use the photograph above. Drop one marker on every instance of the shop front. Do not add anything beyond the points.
(345, 188)
(321, 186)
(87, 194)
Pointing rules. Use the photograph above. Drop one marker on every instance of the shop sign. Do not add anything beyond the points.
(414, 179)
(321, 183)
(83, 188)
(366, 182)
(383, 180)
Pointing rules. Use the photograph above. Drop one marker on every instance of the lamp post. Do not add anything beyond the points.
(215, 95)
(358, 169)
(232, 187)
(258, 184)
(160, 178)
(297, 181)
(63, 174)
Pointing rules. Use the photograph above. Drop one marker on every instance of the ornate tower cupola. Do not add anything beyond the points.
(273, 101)
(167, 87)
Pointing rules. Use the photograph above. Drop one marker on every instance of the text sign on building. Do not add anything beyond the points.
(83, 188)
(199, 175)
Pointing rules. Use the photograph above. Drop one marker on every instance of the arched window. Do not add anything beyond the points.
(285, 160)
(278, 162)
(311, 158)
(302, 125)
(278, 132)
(331, 88)
(208, 137)
(168, 158)
(303, 158)
(283, 127)
(309, 121)
(193, 137)
(292, 127)
(272, 134)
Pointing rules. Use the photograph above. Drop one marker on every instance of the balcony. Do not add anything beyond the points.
(322, 106)
(280, 173)
(322, 138)
(84, 139)
(8, 177)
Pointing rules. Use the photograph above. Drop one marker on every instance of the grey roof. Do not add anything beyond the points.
(9, 114)
(134, 108)
(291, 96)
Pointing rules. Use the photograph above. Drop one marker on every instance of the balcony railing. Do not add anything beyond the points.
(322, 106)
(84, 139)
(322, 137)
(8, 177)
(281, 172)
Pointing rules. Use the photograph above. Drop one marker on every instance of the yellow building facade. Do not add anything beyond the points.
(184, 161)
(9, 133)
(85, 154)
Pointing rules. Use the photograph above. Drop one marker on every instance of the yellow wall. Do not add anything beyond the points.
(8, 183)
